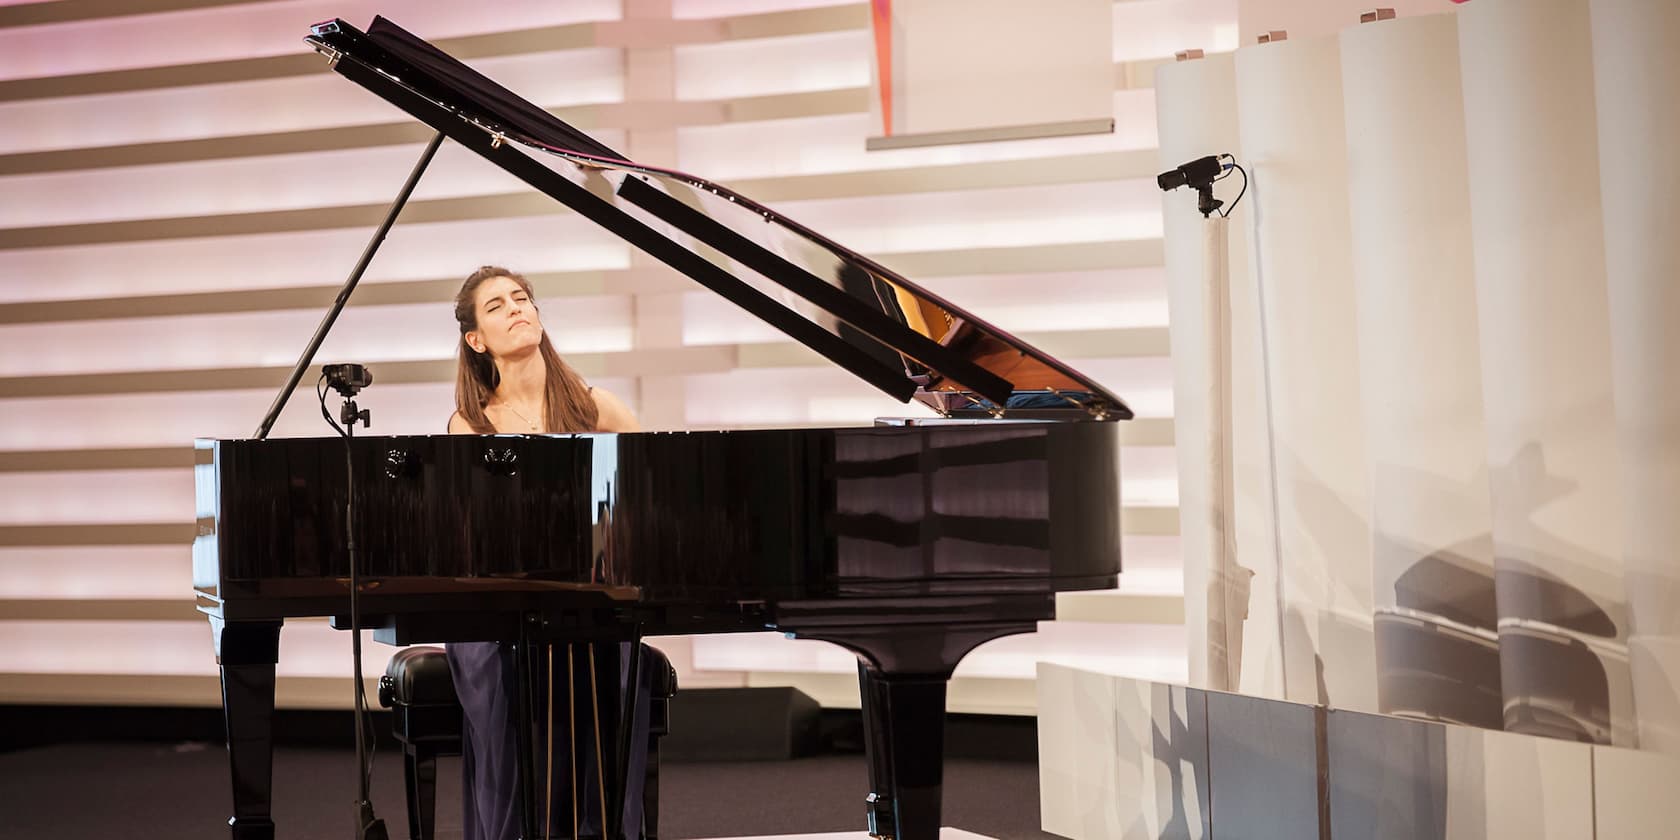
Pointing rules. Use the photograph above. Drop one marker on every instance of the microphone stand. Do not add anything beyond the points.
(368, 826)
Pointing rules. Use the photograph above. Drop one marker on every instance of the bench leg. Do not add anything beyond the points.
(420, 775)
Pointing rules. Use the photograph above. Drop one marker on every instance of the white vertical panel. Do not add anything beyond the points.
(1289, 101)
(1546, 378)
(964, 65)
(1409, 183)
(1636, 69)
(1198, 117)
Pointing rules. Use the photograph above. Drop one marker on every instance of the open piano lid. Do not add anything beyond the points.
(897, 336)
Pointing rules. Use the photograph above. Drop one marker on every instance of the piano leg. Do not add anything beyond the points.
(904, 734)
(247, 652)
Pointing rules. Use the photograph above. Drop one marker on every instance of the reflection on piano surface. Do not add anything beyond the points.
(908, 543)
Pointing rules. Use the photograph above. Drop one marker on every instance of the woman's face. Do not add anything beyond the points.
(507, 321)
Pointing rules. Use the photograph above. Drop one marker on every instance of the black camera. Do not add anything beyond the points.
(347, 379)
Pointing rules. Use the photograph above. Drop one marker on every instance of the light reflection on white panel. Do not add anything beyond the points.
(96, 496)
(835, 143)
(682, 9)
(175, 419)
(308, 258)
(250, 30)
(1143, 650)
(307, 648)
(993, 218)
(253, 184)
(1015, 302)
(91, 572)
(1158, 28)
(365, 334)
(765, 66)
(550, 79)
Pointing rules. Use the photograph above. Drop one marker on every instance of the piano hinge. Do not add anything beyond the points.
(332, 55)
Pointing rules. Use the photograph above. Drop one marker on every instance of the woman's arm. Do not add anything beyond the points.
(613, 414)
(458, 425)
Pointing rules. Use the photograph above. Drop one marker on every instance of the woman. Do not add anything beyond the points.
(508, 376)
(510, 380)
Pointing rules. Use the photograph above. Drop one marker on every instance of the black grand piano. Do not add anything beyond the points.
(908, 543)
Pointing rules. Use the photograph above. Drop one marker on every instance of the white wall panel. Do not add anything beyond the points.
(175, 419)
(307, 649)
(835, 143)
(1146, 29)
(717, 8)
(792, 64)
(1636, 70)
(1145, 384)
(1420, 363)
(552, 79)
(270, 182)
(1012, 216)
(367, 334)
(96, 496)
(252, 30)
(1543, 311)
(1107, 300)
(306, 258)
(148, 571)
(1289, 109)
(1148, 564)
(788, 396)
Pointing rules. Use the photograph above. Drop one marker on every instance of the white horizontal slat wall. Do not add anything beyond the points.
(175, 213)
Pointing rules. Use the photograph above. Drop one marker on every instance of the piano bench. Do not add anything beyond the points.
(426, 718)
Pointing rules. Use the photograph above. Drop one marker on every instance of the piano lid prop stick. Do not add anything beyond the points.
(327, 320)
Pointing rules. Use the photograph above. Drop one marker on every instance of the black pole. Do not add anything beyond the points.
(349, 286)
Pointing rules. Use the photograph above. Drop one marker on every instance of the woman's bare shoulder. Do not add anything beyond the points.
(458, 425)
(612, 414)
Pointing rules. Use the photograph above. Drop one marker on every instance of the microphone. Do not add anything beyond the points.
(347, 379)
(1197, 173)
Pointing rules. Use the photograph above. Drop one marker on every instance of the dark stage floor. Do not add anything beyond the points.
(145, 791)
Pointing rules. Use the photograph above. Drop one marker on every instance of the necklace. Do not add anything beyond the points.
(516, 413)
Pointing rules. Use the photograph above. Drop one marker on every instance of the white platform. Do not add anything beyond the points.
(1124, 759)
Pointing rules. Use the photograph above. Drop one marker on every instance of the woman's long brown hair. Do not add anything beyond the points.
(567, 405)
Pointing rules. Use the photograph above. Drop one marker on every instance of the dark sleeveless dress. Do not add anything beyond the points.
(485, 681)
